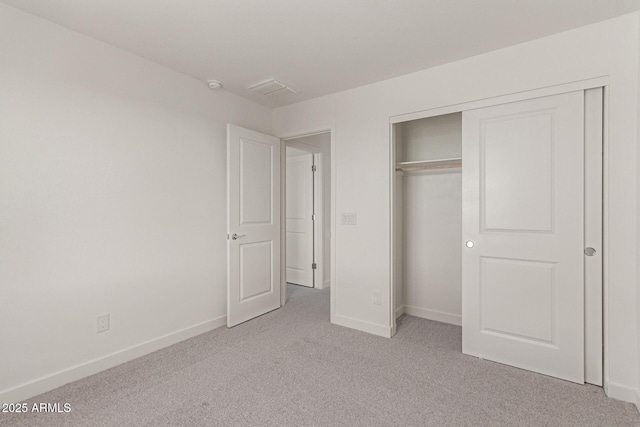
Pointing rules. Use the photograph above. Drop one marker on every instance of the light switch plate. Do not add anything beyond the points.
(348, 218)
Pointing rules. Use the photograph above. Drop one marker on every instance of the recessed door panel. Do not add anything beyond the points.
(256, 276)
(256, 187)
(296, 260)
(523, 234)
(518, 299)
(520, 147)
(296, 180)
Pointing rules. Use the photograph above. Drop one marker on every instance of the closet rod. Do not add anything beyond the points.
(428, 165)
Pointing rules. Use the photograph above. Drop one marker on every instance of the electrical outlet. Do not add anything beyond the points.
(348, 218)
(377, 298)
(103, 323)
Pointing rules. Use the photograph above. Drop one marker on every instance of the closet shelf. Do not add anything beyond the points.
(429, 164)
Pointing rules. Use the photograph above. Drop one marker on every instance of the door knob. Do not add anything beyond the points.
(589, 251)
(235, 236)
(470, 244)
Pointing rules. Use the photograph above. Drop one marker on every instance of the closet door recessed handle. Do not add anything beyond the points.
(589, 251)
(470, 244)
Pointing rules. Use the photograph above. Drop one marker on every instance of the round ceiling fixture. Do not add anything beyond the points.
(214, 84)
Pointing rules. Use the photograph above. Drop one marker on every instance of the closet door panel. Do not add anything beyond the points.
(523, 211)
(521, 148)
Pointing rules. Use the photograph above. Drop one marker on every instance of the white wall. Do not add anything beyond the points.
(432, 138)
(360, 118)
(112, 200)
(294, 152)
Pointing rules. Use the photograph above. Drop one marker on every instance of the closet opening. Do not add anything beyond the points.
(428, 218)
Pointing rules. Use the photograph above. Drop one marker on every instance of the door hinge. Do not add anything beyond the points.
(313, 217)
(314, 266)
(313, 168)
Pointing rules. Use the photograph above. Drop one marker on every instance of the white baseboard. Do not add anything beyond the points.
(91, 367)
(399, 311)
(438, 316)
(622, 392)
(324, 285)
(361, 325)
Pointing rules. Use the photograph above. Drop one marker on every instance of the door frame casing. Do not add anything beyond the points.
(287, 140)
(584, 85)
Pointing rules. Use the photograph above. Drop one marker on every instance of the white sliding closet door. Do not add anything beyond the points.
(523, 216)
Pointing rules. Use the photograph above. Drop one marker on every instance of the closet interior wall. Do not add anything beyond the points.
(428, 219)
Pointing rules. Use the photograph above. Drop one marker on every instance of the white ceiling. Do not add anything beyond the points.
(315, 46)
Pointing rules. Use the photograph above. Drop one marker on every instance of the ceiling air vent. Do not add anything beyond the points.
(272, 89)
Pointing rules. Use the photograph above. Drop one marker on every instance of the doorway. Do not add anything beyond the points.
(307, 208)
(300, 217)
(256, 220)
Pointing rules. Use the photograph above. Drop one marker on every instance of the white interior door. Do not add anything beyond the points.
(299, 203)
(523, 215)
(253, 224)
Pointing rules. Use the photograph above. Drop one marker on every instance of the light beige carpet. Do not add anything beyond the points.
(291, 367)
